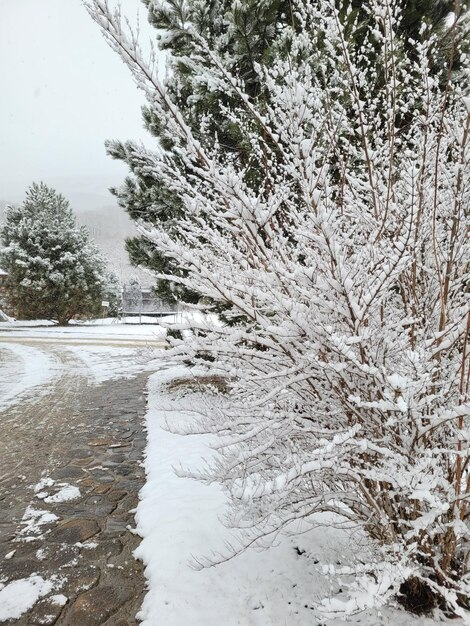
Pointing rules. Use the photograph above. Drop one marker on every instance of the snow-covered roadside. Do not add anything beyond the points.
(179, 521)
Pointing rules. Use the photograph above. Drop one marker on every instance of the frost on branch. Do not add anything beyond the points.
(341, 247)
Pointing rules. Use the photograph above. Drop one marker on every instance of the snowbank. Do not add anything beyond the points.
(179, 521)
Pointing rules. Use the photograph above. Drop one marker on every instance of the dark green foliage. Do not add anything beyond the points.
(245, 32)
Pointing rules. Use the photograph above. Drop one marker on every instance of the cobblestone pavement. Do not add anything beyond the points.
(84, 442)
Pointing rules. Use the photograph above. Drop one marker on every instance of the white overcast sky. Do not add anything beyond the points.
(63, 91)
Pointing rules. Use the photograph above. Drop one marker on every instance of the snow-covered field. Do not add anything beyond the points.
(180, 522)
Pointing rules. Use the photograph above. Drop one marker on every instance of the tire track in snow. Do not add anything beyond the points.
(34, 426)
(24, 371)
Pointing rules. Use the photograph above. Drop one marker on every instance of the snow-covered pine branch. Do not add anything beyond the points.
(348, 266)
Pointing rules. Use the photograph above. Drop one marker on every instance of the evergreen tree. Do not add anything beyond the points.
(55, 271)
(244, 33)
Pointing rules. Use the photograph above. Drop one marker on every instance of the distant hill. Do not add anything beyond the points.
(109, 226)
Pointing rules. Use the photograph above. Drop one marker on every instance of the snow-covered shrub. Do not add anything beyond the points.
(348, 269)
(55, 270)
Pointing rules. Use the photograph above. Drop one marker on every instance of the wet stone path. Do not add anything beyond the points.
(70, 473)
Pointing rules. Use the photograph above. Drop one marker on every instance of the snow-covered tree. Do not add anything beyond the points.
(55, 270)
(349, 268)
(245, 33)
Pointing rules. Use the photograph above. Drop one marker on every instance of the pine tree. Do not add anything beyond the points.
(55, 271)
(245, 33)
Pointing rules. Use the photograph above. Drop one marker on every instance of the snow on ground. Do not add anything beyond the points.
(5, 318)
(180, 523)
(42, 484)
(33, 520)
(179, 519)
(20, 595)
(23, 369)
(65, 494)
(112, 362)
(13, 323)
(151, 329)
(148, 328)
(31, 356)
